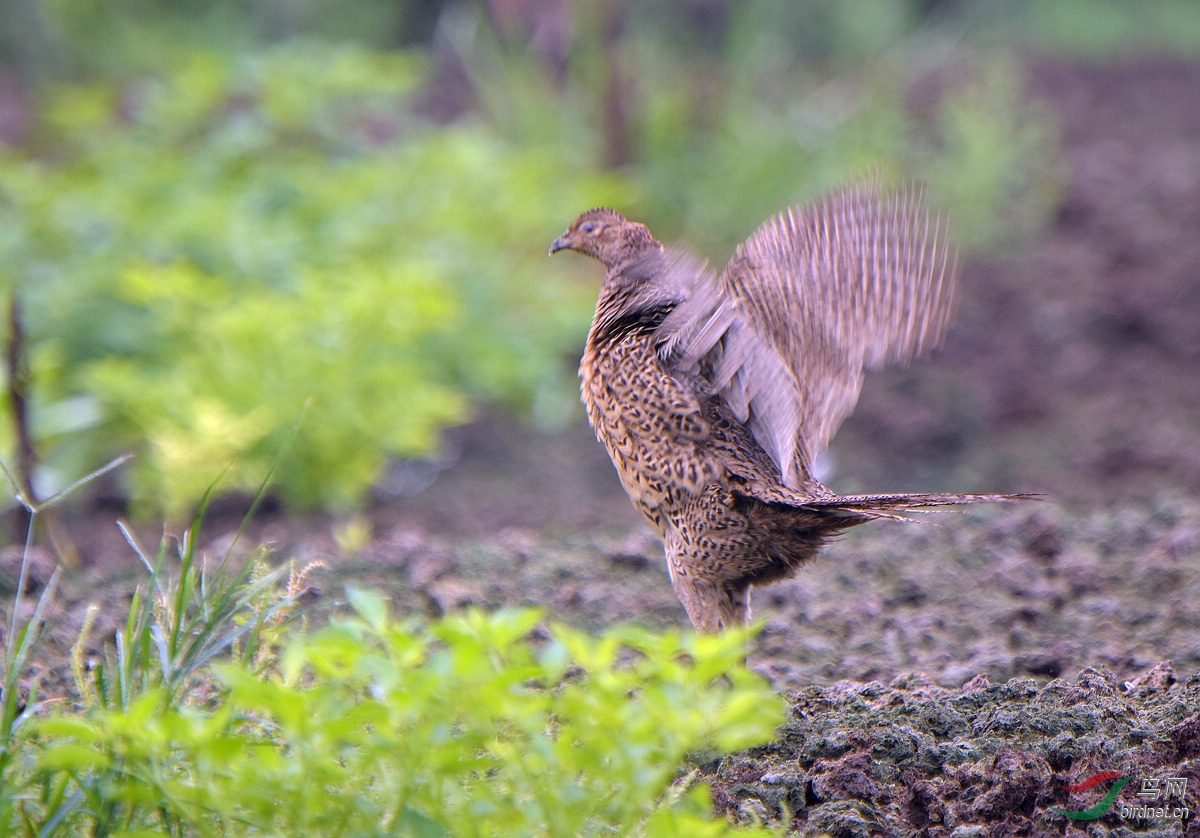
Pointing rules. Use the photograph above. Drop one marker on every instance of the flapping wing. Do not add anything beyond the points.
(815, 296)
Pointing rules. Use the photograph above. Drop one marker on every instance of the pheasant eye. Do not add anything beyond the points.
(589, 227)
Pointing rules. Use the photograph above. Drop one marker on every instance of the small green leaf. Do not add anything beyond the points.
(67, 756)
(370, 605)
(419, 825)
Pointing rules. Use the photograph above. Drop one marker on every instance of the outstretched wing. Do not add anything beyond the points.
(815, 296)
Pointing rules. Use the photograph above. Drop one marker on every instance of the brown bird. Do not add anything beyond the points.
(714, 394)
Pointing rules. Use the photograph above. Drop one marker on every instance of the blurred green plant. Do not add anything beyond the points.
(997, 172)
(374, 727)
(1089, 29)
(788, 101)
(22, 629)
(820, 93)
(189, 613)
(202, 254)
(79, 38)
(205, 250)
(210, 715)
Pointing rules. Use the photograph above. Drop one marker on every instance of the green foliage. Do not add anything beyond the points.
(204, 720)
(179, 623)
(768, 35)
(23, 629)
(119, 37)
(763, 154)
(1092, 29)
(239, 233)
(795, 99)
(997, 173)
(209, 251)
(373, 727)
(20, 639)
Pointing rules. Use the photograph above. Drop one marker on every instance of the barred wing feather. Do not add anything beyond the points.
(814, 297)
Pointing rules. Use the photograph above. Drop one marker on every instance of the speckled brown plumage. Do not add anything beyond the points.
(714, 394)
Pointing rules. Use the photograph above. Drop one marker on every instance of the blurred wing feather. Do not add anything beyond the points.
(815, 296)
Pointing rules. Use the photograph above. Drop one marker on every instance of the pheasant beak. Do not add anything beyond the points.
(563, 242)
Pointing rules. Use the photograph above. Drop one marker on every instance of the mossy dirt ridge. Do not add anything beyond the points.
(910, 757)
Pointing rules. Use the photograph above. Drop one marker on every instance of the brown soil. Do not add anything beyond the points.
(1073, 369)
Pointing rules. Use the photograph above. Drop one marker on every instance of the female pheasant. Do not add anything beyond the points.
(714, 394)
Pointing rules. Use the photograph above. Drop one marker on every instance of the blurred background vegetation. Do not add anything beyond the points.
(217, 216)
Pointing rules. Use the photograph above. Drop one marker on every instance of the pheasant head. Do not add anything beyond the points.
(606, 235)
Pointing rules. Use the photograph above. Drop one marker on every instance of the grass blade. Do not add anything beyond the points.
(266, 483)
(58, 497)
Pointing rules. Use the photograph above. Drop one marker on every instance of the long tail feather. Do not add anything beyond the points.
(912, 501)
(892, 506)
